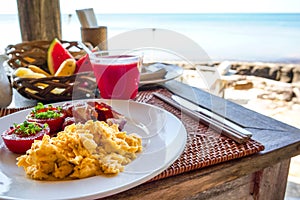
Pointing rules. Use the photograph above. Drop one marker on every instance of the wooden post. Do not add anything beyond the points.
(39, 19)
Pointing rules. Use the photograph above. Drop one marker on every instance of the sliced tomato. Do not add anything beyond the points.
(55, 124)
(20, 144)
(54, 119)
(104, 111)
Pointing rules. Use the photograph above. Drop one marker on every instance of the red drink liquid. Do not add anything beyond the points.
(117, 79)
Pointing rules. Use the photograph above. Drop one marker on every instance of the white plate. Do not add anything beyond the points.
(164, 138)
(173, 71)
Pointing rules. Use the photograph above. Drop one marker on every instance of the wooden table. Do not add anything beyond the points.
(259, 176)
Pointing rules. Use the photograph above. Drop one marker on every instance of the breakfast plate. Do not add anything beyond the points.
(159, 73)
(163, 139)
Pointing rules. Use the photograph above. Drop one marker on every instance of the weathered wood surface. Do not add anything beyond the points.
(271, 182)
(246, 178)
(260, 176)
(39, 19)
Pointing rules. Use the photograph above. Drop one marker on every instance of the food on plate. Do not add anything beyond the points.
(72, 141)
(59, 117)
(83, 112)
(80, 151)
(48, 114)
(106, 113)
(79, 113)
(19, 137)
(57, 54)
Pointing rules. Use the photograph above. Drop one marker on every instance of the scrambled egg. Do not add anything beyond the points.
(81, 150)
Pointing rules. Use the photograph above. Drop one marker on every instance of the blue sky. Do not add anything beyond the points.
(170, 6)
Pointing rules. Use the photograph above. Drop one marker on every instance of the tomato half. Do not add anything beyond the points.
(46, 116)
(20, 144)
(55, 124)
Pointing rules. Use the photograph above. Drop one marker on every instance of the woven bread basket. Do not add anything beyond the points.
(54, 88)
(60, 88)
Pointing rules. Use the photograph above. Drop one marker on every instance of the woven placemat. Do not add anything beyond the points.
(7, 111)
(204, 146)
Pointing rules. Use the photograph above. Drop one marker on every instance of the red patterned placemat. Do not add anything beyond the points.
(204, 146)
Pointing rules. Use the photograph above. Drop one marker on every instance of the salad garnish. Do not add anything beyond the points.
(41, 111)
(28, 128)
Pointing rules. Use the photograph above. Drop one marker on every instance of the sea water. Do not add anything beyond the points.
(244, 37)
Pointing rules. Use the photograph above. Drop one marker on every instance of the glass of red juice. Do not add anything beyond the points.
(117, 74)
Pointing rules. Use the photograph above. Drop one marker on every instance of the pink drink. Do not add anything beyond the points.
(117, 76)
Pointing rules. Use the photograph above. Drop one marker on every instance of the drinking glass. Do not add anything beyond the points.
(117, 73)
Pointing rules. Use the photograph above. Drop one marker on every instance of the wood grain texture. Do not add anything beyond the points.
(39, 19)
(230, 180)
(271, 182)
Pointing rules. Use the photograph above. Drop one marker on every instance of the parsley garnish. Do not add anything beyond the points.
(42, 112)
(27, 128)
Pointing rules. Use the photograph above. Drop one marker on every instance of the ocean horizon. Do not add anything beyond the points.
(255, 37)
